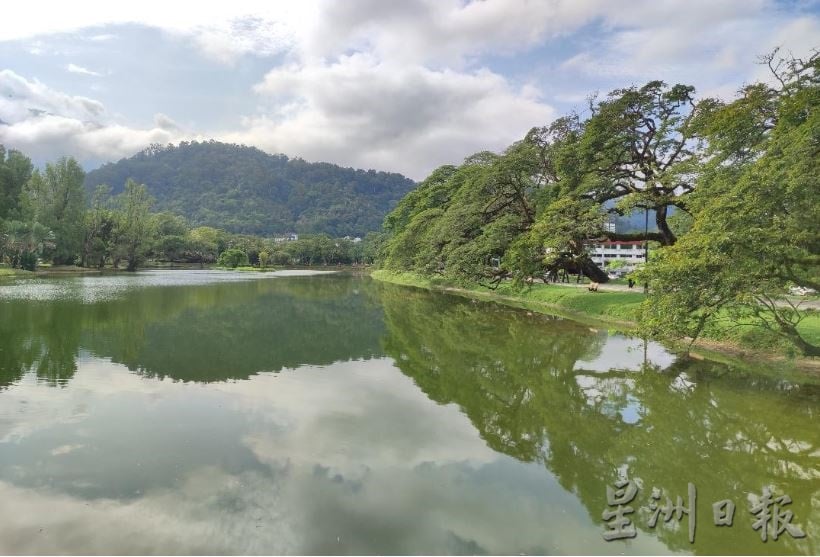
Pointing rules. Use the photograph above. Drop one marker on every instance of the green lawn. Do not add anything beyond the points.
(9, 272)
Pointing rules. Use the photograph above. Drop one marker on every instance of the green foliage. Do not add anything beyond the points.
(754, 229)
(22, 243)
(264, 259)
(134, 227)
(641, 148)
(733, 189)
(232, 258)
(100, 225)
(243, 190)
(15, 172)
(56, 199)
(460, 221)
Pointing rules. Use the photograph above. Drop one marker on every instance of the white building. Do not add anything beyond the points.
(292, 237)
(631, 252)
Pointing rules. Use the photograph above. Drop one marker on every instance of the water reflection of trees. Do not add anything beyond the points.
(32, 339)
(727, 431)
(209, 332)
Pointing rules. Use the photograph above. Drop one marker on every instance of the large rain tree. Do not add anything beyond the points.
(755, 213)
(639, 150)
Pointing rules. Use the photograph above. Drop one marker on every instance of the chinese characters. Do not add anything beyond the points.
(770, 517)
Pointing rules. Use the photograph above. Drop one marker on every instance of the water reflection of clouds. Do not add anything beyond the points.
(625, 353)
(339, 418)
(351, 457)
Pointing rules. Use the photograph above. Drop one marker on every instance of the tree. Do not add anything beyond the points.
(134, 230)
(23, 242)
(557, 241)
(99, 228)
(15, 172)
(641, 148)
(264, 259)
(232, 258)
(170, 233)
(462, 219)
(56, 199)
(616, 264)
(205, 243)
(754, 231)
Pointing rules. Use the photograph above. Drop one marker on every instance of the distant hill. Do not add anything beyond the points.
(242, 189)
(633, 222)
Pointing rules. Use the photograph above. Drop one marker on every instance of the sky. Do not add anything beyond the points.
(398, 86)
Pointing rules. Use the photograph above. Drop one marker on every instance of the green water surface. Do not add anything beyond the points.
(211, 412)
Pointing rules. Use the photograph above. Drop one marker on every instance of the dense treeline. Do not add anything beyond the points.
(732, 188)
(244, 190)
(46, 216)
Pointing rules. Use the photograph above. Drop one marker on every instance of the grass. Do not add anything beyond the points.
(9, 272)
(621, 309)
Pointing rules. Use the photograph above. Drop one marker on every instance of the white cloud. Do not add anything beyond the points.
(364, 112)
(712, 45)
(404, 85)
(224, 30)
(102, 37)
(357, 112)
(74, 68)
(45, 123)
(21, 99)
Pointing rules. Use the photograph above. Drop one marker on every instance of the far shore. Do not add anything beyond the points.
(64, 270)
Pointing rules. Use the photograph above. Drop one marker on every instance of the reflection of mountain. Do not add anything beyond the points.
(211, 332)
(728, 432)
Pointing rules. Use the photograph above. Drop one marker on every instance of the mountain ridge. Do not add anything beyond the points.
(243, 189)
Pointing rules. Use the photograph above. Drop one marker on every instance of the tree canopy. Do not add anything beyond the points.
(755, 215)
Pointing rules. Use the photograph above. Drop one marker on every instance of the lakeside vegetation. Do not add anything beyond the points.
(732, 186)
(45, 216)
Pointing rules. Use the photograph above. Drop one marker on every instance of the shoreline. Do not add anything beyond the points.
(612, 316)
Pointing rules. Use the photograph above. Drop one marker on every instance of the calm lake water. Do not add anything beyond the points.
(215, 412)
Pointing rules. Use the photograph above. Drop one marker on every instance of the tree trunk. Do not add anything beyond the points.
(805, 347)
(591, 270)
(668, 237)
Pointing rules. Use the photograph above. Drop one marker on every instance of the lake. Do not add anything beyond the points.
(216, 412)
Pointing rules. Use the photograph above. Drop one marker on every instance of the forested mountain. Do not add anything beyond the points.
(243, 189)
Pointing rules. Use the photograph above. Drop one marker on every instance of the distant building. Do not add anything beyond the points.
(609, 226)
(631, 252)
(291, 237)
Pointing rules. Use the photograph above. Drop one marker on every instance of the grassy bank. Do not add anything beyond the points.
(617, 308)
(621, 310)
(9, 272)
